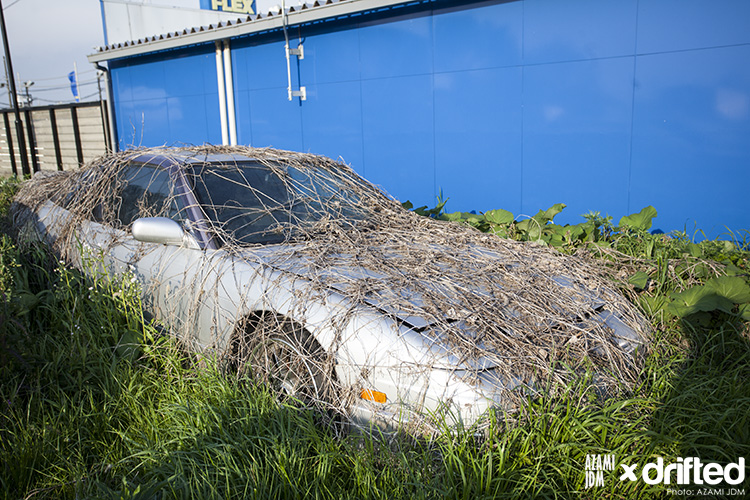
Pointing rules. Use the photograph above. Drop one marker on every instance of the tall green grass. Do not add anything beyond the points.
(97, 404)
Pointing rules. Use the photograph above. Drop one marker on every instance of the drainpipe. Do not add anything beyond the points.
(230, 94)
(299, 52)
(112, 137)
(222, 94)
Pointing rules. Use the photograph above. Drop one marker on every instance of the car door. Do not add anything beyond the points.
(169, 275)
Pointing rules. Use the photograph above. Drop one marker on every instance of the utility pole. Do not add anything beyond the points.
(19, 125)
(28, 96)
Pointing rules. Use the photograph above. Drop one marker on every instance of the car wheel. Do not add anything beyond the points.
(287, 357)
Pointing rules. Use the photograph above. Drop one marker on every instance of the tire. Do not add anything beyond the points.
(286, 357)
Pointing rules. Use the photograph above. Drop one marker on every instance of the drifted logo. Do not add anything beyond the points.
(685, 471)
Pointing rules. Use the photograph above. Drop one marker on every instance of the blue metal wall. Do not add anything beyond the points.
(607, 105)
(167, 98)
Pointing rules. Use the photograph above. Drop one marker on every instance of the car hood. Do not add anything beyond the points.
(430, 302)
(410, 304)
(342, 276)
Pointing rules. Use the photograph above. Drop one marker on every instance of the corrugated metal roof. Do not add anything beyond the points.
(295, 15)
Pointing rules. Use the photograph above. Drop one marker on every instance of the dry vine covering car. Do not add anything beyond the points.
(293, 269)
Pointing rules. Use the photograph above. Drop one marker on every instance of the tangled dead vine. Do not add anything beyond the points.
(527, 310)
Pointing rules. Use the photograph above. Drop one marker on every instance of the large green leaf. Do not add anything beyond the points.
(545, 216)
(579, 231)
(696, 299)
(729, 247)
(501, 231)
(639, 280)
(556, 240)
(457, 216)
(732, 270)
(531, 227)
(499, 216)
(695, 250)
(25, 302)
(641, 221)
(732, 287)
(129, 345)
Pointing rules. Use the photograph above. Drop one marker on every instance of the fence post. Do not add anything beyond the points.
(9, 140)
(32, 140)
(77, 135)
(55, 138)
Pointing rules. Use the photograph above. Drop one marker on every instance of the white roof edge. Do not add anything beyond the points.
(252, 24)
(159, 6)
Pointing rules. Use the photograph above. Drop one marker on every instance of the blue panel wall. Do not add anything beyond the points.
(578, 29)
(478, 138)
(488, 36)
(398, 136)
(264, 115)
(605, 105)
(332, 121)
(673, 25)
(691, 127)
(576, 136)
(167, 99)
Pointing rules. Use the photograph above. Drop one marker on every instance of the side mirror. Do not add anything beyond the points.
(158, 230)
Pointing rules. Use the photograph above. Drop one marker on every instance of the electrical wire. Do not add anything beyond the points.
(11, 5)
(59, 101)
(64, 77)
(62, 87)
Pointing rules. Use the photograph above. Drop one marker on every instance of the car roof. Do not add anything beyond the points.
(187, 158)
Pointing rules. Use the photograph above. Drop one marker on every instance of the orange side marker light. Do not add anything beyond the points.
(378, 397)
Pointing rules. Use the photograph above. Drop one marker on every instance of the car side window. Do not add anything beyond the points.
(248, 203)
(146, 191)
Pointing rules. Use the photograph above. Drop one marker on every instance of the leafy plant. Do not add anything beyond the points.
(729, 294)
(8, 188)
(679, 280)
(640, 221)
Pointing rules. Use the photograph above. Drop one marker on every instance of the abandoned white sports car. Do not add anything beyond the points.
(295, 270)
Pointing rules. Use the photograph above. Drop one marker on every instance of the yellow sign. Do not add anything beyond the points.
(238, 6)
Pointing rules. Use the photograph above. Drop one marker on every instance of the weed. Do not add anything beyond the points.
(97, 404)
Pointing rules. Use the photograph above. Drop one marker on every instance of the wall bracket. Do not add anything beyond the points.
(301, 93)
(299, 51)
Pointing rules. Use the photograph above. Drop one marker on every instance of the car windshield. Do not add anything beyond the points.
(253, 203)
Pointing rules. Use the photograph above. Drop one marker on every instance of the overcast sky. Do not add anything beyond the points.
(46, 37)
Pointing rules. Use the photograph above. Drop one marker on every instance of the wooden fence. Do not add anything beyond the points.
(60, 137)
